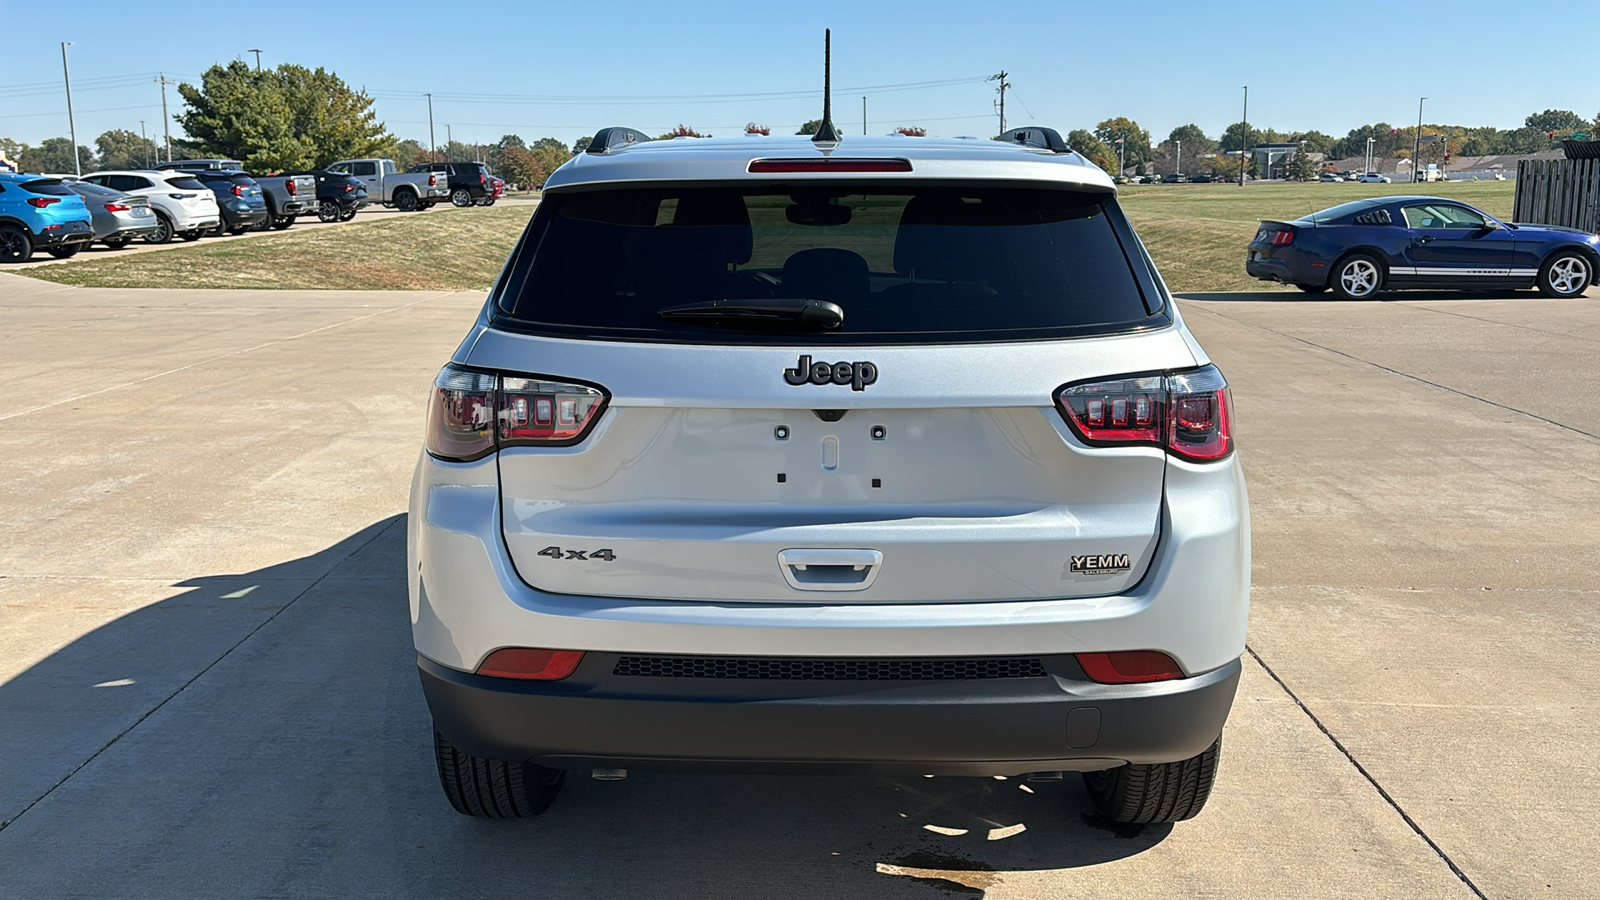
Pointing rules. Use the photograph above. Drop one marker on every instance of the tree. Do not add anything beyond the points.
(123, 149)
(681, 131)
(1235, 138)
(912, 131)
(1192, 136)
(1136, 148)
(550, 153)
(54, 155)
(753, 128)
(1300, 168)
(1561, 121)
(812, 126)
(518, 165)
(285, 118)
(581, 145)
(1386, 139)
(409, 152)
(1093, 149)
(1314, 141)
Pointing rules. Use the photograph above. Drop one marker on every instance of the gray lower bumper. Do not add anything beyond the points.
(979, 727)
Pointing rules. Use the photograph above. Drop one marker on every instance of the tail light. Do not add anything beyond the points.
(433, 181)
(289, 184)
(238, 190)
(531, 664)
(472, 414)
(348, 188)
(1129, 667)
(1188, 413)
(1274, 237)
(42, 202)
(117, 207)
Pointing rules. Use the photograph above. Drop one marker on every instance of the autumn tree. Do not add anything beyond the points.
(681, 131)
(912, 131)
(1093, 149)
(753, 128)
(1136, 141)
(812, 126)
(519, 165)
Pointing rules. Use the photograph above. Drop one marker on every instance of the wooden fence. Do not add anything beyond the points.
(1558, 192)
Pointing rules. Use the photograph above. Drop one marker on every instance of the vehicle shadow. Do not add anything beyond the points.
(272, 739)
(1382, 297)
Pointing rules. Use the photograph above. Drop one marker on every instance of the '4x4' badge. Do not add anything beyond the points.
(856, 374)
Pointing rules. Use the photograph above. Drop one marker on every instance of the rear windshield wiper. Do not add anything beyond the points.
(747, 313)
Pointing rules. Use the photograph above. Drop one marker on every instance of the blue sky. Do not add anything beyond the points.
(565, 69)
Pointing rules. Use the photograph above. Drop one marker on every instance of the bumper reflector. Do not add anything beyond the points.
(531, 664)
(1129, 667)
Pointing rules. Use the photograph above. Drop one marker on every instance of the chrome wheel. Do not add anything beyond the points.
(460, 197)
(1359, 278)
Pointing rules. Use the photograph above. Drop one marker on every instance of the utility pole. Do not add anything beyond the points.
(863, 117)
(144, 144)
(1122, 155)
(1244, 138)
(432, 148)
(258, 58)
(1368, 168)
(449, 144)
(1416, 145)
(1180, 157)
(1003, 85)
(166, 121)
(72, 125)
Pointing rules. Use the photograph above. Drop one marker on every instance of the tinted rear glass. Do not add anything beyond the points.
(907, 265)
(186, 183)
(245, 180)
(49, 186)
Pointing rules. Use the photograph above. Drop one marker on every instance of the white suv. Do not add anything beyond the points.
(876, 455)
(184, 206)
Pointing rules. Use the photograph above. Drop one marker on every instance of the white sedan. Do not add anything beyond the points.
(1374, 178)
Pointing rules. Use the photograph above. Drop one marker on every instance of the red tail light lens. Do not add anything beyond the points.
(42, 202)
(1129, 667)
(288, 183)
(472, 414)
(1280, 238)
(238, 190)
(433, 180)
(1188, 413)
(827, 164)
(531, 664)
(117, 207)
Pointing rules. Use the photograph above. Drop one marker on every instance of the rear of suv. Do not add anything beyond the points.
(469, 182)
(883, 455)
(40, 213)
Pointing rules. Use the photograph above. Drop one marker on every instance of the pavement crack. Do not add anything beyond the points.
(200, 674)
(1443, 387)
(1387, 797)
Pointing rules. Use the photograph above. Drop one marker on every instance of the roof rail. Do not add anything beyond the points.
(615, 138)
(1037, 136)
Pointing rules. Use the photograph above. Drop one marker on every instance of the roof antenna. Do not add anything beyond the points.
(826, 132)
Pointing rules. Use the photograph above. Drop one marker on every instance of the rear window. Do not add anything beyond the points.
(907, 265)
(244, 180)
(186, 183)
(49, 186)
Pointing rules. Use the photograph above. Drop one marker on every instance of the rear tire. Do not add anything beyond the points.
(163, 232)
(347, 216)
(461, 197)
(116, 243)
(16, 245)
(1160, 792)
(191, 235)
(1357, 277)
(281, 224)
(1565, 275)
(66, 252)
(327, 211)
(1312, 288)
(405, 201)
(494, 788)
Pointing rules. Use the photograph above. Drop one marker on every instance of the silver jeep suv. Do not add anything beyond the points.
(874, 455)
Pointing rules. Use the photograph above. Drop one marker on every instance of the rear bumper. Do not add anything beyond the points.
(79, 232)
(1004, 726)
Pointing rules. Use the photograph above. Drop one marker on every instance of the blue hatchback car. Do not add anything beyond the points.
(1396, 243)
(38, 212)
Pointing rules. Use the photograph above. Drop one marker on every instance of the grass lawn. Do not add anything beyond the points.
(1195, 232)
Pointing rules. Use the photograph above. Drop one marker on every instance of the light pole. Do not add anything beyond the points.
(449, 142)
(863, 117)
(1180, 158)
(1122, 153)
(1367, 169)
(258, 58)
(432, 148)
(145, 144)
(1416, 145)
(72, 125)
(1244, 138)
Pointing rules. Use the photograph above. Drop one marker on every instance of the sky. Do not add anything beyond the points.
(566, 69)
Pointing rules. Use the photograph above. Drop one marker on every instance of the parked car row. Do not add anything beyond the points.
(195, 197)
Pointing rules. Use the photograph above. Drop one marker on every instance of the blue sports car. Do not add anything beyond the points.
(1395, 243)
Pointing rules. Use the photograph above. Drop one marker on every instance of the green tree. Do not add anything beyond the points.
(1300, 168)
(1093, 149)
(1135, 149)
(1193, 136)
(1561, 121)
(1314, 141)
(290, 117)
(410, 152)
(520, 166)
(54, 155)
(551, 154)
(1236, 139)
(812, 126)
(581, 144)
(123, 149)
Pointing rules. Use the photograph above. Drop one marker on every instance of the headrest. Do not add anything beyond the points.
(826, 273)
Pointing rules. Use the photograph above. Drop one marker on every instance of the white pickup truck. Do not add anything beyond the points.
(387, 185)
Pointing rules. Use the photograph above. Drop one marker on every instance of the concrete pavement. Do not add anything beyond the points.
(207, 688)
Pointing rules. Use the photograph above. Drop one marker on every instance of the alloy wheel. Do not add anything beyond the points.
(1359, 277)
(1569, 275)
